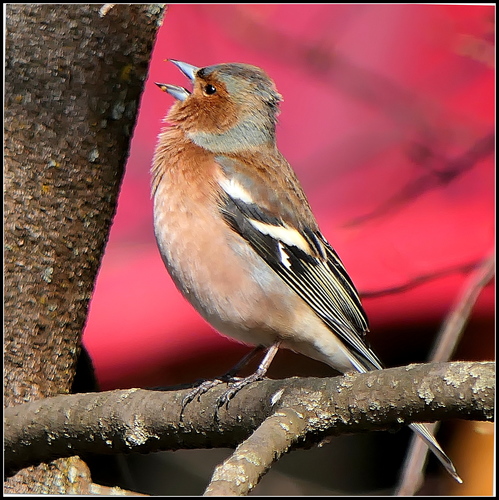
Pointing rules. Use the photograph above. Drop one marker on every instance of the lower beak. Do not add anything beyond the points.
(178, 92)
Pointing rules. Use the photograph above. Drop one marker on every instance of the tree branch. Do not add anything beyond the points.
(142, 421)
(242, 471)
(458, 318)
(448, 338)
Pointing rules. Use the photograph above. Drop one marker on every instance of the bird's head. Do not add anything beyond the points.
(231, 107)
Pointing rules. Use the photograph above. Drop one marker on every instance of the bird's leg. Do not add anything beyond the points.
(230, 376)
(258, 375)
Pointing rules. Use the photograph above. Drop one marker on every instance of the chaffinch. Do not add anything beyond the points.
(237, 234)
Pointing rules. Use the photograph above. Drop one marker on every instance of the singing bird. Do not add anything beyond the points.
(237, 234)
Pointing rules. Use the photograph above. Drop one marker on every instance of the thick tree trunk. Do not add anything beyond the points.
(73, 82)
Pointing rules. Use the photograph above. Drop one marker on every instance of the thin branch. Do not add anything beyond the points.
(424, 278)
(455, 323)
(99, 489)
(447, 340)
(483, 148)
(242, 471)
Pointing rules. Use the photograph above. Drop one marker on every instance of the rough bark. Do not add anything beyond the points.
(73, 79)
(144, 421)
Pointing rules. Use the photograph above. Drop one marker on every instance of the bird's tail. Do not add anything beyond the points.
(363, 365)
(423, 432)
(367, 363)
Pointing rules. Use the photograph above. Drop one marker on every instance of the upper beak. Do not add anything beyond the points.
(187, 69)
(179, 92)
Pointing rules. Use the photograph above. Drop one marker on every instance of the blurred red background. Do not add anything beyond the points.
(388, 120)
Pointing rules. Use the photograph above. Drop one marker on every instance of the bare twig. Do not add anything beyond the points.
(105, 9)
(99, 489)
(240, 473)
(456, 321)
(421, 279)
(416, 187)
(447, 340)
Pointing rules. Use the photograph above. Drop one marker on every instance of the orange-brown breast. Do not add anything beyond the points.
(204, 257)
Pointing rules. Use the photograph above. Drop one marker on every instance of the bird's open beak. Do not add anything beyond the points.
(175, 91)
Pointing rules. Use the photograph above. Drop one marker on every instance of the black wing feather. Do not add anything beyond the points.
(322, 283)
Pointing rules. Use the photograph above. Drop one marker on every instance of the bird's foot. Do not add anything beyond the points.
(204, 387)
(235, 387)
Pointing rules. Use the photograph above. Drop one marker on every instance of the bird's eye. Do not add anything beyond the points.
(209, 89)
